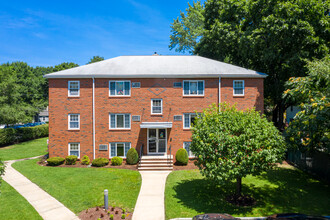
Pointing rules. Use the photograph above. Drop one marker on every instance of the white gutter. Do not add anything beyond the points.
(219, 91)
(93, 118)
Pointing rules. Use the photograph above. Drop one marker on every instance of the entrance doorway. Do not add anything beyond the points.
(157, 141)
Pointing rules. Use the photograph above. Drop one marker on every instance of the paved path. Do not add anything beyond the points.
(150, 203)
(47, 206)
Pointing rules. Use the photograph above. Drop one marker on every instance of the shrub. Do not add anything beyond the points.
(55, 161)
(181, 157)
(123, 216)
(85, 160)
(10, 135)
(71, 160)
(111, 217)
(100, 162)
(124, 210)
(132, 156)
(116, 161)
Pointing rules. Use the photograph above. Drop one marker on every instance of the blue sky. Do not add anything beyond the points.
(46, 33)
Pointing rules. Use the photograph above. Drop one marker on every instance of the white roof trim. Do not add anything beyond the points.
(157, 67)
(156, 125)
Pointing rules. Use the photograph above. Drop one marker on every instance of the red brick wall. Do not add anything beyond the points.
(139, 103)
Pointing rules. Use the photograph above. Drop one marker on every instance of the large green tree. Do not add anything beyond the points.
(231, 144)
(310, 129)
(271, 36)
(24, 90)
(95, 59)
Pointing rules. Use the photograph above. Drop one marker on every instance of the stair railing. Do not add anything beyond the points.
(169, 158)
(141, 152)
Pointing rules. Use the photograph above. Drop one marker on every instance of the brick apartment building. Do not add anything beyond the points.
(105, 108)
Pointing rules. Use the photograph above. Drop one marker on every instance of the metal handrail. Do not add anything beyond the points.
(170, 149)
(141, 151)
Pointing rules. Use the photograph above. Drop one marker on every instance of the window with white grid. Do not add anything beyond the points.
(74, 121)
(186, 145)
(120, 121)
(156, 106)
(73, 88)
(74, 149)
(238, 87)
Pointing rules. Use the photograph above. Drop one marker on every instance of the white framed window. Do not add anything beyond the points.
(74, 149)
(189, 119)
(73, 88)
(120, 88)
(74, 121)
(120, 121)
(119, 149)
(186, 145)
(238, 87)
(156, 106)
(193, 87)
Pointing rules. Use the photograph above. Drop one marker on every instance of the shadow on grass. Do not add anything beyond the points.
(280, 190)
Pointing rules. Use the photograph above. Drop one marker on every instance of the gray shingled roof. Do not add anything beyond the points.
(157, 67)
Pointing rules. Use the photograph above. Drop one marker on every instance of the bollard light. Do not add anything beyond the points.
(106, 199)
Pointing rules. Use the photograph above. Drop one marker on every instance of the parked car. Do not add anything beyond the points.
(25, 125)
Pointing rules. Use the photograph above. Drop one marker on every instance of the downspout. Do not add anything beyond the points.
(93, 118)
(219, 92)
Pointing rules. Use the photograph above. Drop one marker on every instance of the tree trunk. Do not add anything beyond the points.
(238, 186)
(278, 115)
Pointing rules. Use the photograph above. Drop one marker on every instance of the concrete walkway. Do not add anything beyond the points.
(47, 206)
(150, 203)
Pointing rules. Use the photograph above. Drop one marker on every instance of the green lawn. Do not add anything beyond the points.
(14, 206)
(26, 149)
(82, 188)
(282, 190)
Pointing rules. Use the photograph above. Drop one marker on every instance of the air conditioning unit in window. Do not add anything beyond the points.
(103, 147)
(136, 85)
(177, 84)
(177, 117)
(136, 118)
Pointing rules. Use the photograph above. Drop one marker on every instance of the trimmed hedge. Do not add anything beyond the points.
(181, 157)
(132, 156)
(100, 162)
(55, 161)
(116, 161)
(85, 160)
(11, 136)
(71, 160)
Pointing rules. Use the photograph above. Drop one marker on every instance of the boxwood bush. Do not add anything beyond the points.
(10, 135)
(132, 156)
(55, 161)
(71, 160)
(181, 157)
(100, 162)
(116, 161)
(85, 160)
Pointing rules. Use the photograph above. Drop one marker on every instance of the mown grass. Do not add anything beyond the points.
(26, 149)
(13, 206)
(82, 188)
(284, 189)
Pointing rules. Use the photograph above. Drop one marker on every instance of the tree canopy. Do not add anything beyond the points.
(310, 129)
(271, 36)
(24, 90)
(95, 59)
(231, 144)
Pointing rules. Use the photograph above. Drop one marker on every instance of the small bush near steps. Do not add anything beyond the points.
(85, 160)
(55, 161)
(132, 156)
(71, 160)
(100, 162)
(181, 157)
(116, 161)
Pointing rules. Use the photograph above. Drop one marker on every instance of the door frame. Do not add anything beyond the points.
(157, 141)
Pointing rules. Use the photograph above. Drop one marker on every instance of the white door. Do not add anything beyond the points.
(156, 140)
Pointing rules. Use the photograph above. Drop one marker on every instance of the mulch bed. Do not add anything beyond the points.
(99, 213)
(189, 166)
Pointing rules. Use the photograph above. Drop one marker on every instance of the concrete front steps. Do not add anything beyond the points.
(156, 163)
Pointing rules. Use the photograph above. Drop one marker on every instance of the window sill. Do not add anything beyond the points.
(238, 96)
(119, 129)
(74, 96)
(193, 96)
(187, 129)
(156, 114)
(119, 96)
(70, 129)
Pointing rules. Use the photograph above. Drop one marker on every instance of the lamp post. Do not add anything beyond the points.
(106, 199)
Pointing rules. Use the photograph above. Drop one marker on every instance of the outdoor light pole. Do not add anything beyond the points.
(106, 199)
